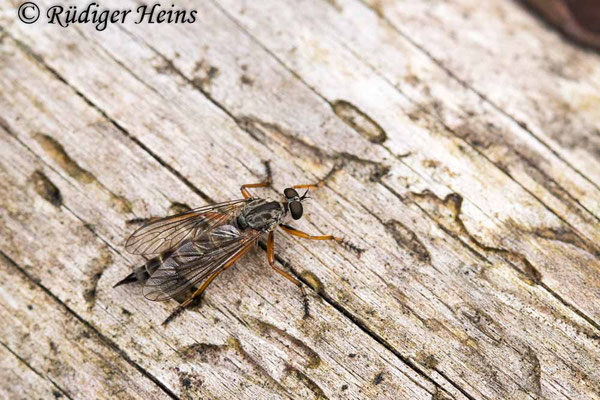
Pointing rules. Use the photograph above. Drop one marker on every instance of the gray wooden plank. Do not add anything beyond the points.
(190, 119)
(64, 357)
(511, 57)
(248, 341)
(20, 381)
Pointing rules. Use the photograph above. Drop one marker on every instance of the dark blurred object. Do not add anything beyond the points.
(578, 19)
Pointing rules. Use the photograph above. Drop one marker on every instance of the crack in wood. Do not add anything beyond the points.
(291, 373)
(475, 140)
(485, 141)
(178, 208)
(95, 269)
(359, 121)
(59, 391)
(528, 270)
(565, 236)
(184, 180)
(262, 130)
(428, 360)
(518, 261)
(364, 327)
(421, 48)
(220, 356)
(474, 143)
(439, 395)
(134, 139)
(46, 189)
(540, 176)
(104, 339)
(273, 333)
(408, 240)
(58, 154)
(453, 203)
(533, 372)
(313, 281)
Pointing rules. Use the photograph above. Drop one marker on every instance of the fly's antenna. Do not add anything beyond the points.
(305, 195)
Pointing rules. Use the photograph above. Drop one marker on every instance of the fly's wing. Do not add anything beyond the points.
(169, 232)
(196, 260)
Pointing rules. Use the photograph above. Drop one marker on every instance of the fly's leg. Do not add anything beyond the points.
(266, 183)
(194, 298)
(140, 221)
(271, 258)
(245, 187)
(321, 182)
(207, 282)
(346, 244)
(175, 209)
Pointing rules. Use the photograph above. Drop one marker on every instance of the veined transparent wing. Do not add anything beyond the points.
(168, 233)
(196, 260)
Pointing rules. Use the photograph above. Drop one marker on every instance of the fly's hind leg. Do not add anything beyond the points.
(271, 258)
(207, 282)
(346, 244)
(195, 298)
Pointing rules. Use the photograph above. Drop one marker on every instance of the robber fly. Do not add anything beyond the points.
(191, 249)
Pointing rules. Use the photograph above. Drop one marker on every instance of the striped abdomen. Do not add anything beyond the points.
(143, 272)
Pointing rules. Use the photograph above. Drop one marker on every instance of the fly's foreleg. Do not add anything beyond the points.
(321, 182)
(346, 244)
(246, 193)
(266, 183)
(271, 258)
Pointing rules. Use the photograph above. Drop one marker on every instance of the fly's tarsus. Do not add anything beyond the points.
(336, 167)
(269, 178)
(306, 305)
(350, 246)
(194, 303)
(138, 221)
(172, 316)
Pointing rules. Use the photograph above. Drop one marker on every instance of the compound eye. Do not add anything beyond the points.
(296, 209)
(290, 193)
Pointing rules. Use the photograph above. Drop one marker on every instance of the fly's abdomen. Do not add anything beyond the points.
(143, 272)
(189, 251)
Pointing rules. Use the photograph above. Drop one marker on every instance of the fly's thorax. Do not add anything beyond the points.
(261, 215)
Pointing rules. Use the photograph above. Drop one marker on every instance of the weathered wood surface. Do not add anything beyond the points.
(467, 136)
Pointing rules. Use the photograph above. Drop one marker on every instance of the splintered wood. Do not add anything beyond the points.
(463, 140)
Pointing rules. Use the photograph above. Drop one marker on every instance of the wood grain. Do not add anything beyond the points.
(480, 223)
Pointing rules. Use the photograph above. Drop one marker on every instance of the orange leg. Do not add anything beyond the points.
(271, 258)
(266, 183)
(343, 242)
(207, 282)
(308, 186)
(246, 193)
(321, 182)
(296, 232)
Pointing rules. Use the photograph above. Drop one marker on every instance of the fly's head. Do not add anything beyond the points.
(294, 202)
